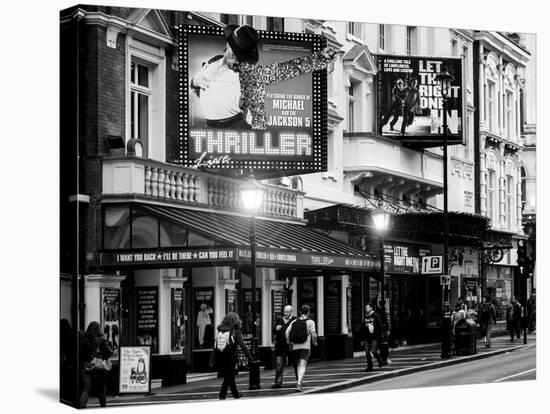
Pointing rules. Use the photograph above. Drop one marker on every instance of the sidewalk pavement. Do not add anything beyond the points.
(323, 376)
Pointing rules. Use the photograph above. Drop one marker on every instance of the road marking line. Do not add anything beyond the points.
(516, 375)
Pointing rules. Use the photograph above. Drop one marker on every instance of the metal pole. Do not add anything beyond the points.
(382, 271)
(525, 310)
(253, 280)
(446, 320)
(254, 380)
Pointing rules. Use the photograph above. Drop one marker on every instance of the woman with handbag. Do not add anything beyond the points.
(94, 364)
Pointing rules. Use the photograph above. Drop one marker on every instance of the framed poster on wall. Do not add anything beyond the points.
(307, 295)
(247, 318)
(178, 319)
(147, 317)
(333, 307)
(204, 317)
(110, 317)
(231, 303)
(277, 304)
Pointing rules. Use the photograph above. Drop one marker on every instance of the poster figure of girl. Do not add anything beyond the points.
(203, 320)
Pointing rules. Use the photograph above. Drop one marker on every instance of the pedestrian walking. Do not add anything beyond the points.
(513, 316)
(94, 364)
(370, 334)
(385, 327)
(487, 318)
(282, 349)
(302, 336)
(228, 338)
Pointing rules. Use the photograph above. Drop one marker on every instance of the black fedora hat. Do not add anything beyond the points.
(243, 41)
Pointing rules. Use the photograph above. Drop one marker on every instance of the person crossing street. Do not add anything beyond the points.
(282, 350)
(301, 335)
(370, 335)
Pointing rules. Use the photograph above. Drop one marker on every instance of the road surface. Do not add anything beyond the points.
(519, 365)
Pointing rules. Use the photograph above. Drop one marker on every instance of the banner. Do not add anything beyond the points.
(135, 370)
(110, 302)
(410, 100)
(276, 123)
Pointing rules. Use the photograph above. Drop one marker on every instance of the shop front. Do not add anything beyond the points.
(169, 275)
(413, 293)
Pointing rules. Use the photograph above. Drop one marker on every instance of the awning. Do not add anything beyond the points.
(465, 229)
(277, 244)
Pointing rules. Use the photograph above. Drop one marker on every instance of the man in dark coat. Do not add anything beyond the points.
(370, 334)
(282, 350)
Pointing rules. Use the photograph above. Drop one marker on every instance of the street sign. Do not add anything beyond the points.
(445, 280)
(431, 265)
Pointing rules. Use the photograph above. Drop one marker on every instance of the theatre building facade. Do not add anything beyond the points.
(164, 251)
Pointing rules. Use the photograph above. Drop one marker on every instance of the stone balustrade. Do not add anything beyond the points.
(171, 183)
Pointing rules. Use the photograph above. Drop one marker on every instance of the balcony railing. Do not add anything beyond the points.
(178, 185)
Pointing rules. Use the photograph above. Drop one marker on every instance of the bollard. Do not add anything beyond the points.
(254, 379)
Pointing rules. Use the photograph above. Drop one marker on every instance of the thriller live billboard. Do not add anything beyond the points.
(410, 101)
(274, 123)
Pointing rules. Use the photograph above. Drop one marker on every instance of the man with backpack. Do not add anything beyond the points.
(370, 334)
(282, 350)
(301, 335)
(487, 317)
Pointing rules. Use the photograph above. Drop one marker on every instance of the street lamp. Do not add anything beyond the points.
(252, 194)
(381, 221)
(444, 80)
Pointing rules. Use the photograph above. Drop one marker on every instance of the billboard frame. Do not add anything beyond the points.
(423, 141)
(262, 168)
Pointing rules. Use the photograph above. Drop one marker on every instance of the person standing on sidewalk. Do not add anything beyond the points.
(513, 314)
(532, 313)
(385, 327)
(94, 366)
(370, 334)
(282, 350)
(487, 318)
(301, 335)
(225, 349)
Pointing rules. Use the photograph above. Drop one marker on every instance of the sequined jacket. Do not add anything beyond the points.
(254, 79)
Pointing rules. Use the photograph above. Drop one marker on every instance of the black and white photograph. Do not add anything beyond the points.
(285, 209)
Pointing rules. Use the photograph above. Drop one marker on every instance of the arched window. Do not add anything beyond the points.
(510, 97)
(491, 93)
(509, 201)
(523, 189)
(510, 195)
(492, 189)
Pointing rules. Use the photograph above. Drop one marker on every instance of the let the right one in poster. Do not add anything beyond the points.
(411, 103)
